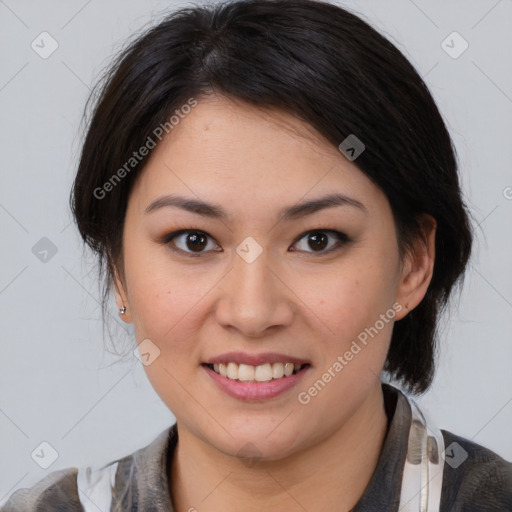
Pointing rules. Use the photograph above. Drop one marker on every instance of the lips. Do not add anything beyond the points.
(254, 390)
(255, 383)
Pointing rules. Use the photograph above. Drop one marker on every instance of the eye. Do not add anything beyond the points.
(193, 241)
(319, 239)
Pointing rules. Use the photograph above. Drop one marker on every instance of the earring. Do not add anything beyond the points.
(122, 310)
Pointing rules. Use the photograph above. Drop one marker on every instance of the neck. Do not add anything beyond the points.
(330, 475)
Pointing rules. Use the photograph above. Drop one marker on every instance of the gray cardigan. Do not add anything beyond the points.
(482, 483)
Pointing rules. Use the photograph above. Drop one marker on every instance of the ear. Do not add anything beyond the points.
(121, 295)
(417, 268)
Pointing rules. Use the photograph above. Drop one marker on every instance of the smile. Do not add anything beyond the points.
(287, 376)
(261, 373)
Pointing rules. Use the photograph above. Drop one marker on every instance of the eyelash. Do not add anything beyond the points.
(342, 240)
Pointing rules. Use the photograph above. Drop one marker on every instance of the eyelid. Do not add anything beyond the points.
(337, 232)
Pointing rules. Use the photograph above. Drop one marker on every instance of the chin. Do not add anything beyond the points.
(260, 444)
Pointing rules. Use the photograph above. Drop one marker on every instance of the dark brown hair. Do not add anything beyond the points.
(320, 63)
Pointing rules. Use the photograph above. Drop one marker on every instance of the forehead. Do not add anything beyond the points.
(233, 152)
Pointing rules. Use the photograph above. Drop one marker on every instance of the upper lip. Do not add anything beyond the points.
(255, 359)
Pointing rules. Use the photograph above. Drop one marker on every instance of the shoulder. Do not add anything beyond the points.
(124, 481)
(68, 490)
(475, 478)
(57, 491)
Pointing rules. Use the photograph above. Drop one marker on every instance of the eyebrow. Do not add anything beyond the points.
(215, 211)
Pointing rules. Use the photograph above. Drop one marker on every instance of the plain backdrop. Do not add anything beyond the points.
(57, 383)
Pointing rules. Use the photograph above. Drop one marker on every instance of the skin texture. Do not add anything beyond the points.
(295, 299)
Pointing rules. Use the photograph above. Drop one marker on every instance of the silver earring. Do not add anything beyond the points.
(122, 310)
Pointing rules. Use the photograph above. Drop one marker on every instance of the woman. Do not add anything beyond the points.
(274, 199)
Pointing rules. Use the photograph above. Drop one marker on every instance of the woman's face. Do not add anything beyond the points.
(258, 283)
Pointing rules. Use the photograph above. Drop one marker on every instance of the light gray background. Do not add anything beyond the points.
(57, 384)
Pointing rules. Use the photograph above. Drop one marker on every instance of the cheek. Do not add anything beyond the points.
(351, 297)
(165, 306)
(354, 311)
(162, 300)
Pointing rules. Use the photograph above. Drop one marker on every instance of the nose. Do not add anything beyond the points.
(254, 298)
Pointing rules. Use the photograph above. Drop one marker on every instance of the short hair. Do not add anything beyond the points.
(327, 67)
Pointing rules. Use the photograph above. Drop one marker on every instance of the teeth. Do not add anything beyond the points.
(245, 372)
(277, 370)
(232, 371)
(261, 373)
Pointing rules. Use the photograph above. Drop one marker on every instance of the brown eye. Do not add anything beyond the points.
(318, 240)
(188, 241)
(195, 241)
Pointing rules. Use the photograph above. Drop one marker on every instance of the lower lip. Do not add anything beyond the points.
(254, 391)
